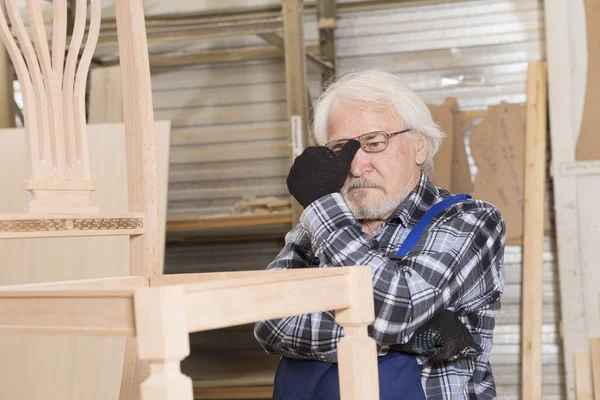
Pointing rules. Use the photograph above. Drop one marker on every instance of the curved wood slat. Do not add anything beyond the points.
(68, 88)
(39, 98)
(59, 42)
(40, 41)
(29, 111)
(81, 80)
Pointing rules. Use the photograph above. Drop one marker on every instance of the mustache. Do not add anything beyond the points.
(361, 182)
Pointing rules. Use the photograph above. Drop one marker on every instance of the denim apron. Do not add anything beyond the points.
(399, 374)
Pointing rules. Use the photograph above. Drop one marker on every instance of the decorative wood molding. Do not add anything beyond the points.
(14, 226)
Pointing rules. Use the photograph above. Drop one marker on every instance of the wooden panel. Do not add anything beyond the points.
(105, 102)
(106, 313)
(588, 142)
(497, 146)
(577, 219)
(443, 115)
(82, 367)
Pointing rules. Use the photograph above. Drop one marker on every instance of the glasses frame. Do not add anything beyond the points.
(385, 134)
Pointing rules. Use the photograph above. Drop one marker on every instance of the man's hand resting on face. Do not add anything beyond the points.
(318, 172)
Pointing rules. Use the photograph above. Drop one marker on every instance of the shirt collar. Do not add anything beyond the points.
(423, 196)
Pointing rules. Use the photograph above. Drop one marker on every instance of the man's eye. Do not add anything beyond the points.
(336, 148)
(374, 145)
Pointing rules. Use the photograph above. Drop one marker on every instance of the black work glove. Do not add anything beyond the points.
(318, 172)
(444, 338)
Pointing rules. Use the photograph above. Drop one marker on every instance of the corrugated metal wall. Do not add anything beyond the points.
(229, 136)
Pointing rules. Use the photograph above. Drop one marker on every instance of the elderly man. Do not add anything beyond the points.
(368, 201)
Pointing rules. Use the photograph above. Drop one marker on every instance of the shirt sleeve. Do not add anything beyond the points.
(298, 336)
(456, 266)
(296, 252)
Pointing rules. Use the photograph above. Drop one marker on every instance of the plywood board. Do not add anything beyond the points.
(588, 144)
(106, 101)
(497, 146)
(575, 196)
(44, 367)
(443, 115)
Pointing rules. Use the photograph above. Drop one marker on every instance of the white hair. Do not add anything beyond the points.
(379, 88)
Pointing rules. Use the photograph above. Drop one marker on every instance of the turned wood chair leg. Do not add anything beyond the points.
(163, 341)
(357, 352)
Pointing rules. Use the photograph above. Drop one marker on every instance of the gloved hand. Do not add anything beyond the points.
(318, 172)
(444, 338)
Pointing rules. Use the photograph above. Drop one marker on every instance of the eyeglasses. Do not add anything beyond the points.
(372, 142)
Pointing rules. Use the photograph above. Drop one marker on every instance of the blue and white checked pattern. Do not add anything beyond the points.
(456, 265)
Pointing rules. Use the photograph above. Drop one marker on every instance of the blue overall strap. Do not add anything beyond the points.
(415, 234)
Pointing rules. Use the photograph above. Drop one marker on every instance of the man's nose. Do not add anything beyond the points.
(361, 164)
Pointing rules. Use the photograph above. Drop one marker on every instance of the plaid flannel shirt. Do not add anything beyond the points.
(456, 265)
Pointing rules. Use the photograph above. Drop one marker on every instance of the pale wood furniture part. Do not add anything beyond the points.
(147, 309)
(162, 316)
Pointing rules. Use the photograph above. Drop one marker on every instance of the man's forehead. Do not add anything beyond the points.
(347, 120)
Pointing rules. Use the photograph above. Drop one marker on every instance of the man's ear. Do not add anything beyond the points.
(421, 148)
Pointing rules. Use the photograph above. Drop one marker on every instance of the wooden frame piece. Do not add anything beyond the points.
(161, 317)
(249, 297)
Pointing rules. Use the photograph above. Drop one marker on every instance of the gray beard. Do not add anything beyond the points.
(376, 211)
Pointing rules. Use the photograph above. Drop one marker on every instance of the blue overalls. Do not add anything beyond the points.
(399, 374)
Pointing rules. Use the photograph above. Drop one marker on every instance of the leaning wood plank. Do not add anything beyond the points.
(93, 312)
(595, 354)
(295, 78)
(101, 283)
(564, 95)
(583, 386)
(18, 226)
(253, 299)
(533, 233)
